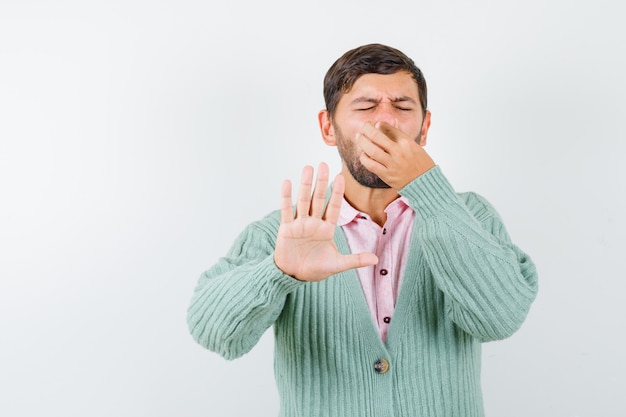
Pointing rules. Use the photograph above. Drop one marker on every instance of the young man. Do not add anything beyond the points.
(380, 294)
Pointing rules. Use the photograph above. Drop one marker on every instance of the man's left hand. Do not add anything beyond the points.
(392, 155)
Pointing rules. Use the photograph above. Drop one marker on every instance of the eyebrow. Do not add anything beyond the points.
(402, 99)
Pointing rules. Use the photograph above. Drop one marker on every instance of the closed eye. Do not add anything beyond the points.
(401, 108)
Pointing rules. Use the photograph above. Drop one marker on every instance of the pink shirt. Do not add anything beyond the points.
(390, 243)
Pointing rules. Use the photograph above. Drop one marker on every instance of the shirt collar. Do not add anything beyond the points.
(348, 214)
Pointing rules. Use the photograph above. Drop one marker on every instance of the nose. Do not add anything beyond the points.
(385, 112)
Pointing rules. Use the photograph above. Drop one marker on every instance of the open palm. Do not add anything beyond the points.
(305, 247)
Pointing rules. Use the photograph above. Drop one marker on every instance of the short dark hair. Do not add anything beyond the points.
(368, 59)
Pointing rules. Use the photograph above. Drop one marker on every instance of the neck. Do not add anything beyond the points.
(372, 201)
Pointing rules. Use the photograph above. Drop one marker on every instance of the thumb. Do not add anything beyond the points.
(356, 260)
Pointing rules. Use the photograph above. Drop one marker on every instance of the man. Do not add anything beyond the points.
(380, 294)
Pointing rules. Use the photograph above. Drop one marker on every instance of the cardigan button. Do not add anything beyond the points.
(381, 366)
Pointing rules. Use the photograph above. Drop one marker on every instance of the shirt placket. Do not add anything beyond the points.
(384, 281)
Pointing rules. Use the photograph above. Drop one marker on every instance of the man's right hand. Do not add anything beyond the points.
(305, 247)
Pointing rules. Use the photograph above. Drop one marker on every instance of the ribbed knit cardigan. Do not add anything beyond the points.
(464, 283)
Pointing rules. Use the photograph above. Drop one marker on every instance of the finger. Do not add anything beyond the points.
(374, 166)
(390, 131)
(372, 151)
(319, 192)
(286, 206)
(336, 199)
(377, 136)
(303, 205)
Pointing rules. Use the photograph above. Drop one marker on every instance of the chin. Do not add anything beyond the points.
(367, 178)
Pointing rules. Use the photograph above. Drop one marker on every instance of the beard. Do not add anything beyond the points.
(350, 157)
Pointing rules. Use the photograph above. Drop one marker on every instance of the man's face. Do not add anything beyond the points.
(393, 99)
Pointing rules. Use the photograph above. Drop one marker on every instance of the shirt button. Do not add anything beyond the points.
(381, 366)
(383, 272)
(384, 231)
(387, 319)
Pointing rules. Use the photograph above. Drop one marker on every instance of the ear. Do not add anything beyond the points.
(326, 127)
(425, 127)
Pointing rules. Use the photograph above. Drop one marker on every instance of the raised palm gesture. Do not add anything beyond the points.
(305, 247)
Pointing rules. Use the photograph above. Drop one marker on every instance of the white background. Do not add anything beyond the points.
(137, 138)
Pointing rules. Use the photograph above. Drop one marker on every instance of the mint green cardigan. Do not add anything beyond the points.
(464, 283)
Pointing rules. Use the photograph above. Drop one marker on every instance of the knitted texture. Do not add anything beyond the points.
(464, 283)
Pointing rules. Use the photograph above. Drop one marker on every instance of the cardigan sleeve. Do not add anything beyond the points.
(488, 283)
(241, 296)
